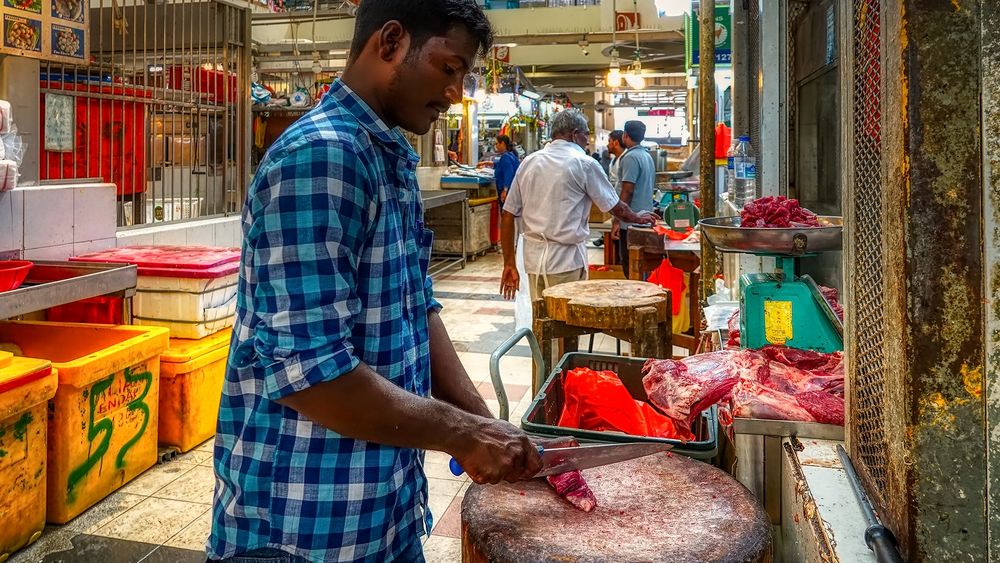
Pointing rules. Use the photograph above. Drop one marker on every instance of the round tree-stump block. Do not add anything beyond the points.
(604, 303)
(658, 508)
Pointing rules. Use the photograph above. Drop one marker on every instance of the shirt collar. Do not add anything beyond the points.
(562, 143)
(392, 138)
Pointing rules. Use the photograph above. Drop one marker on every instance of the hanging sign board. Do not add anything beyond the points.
(723, 36)
(627, 21)
(501, 54)
(54, 30)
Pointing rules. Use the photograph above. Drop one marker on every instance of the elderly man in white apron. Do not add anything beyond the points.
(550, 201)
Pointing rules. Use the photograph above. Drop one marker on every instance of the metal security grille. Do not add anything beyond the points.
(869, 373)
(162, 111)
(753, 69)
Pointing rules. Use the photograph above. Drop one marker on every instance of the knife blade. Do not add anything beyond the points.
(561, 460)
(558, 456)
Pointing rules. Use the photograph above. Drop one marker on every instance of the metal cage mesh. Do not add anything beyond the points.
(869, 375)
(753, 69)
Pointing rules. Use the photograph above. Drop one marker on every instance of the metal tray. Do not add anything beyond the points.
(726, 235)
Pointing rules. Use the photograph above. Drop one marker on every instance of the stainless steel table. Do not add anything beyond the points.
(433, 199)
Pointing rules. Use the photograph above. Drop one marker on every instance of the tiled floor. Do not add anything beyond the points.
(164, 515)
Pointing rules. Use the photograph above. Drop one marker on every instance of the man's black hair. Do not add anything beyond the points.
(618, 135)
(636, 131)
(422, 19)
(506, 141)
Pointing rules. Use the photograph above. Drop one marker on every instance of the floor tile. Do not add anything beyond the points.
(439, 504)
(104, 512)
(444, 486)
(87, 548)
(54, 539)
(449, 524)
(197, 485)
(196, 456)
(441, 471)
(153, 520)
(156, 477)
(440, 549)
(195, 534)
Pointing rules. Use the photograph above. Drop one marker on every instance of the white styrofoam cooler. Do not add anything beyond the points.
(189, 289)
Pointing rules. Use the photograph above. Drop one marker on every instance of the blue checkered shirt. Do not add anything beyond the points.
(334, 272)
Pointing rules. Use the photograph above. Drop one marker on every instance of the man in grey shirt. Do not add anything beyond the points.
(637, 174)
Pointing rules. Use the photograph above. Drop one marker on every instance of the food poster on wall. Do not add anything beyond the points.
(45, 29)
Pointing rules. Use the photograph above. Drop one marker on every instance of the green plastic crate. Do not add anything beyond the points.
(543, 415)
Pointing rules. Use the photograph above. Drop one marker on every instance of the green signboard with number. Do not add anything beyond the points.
(723, 37)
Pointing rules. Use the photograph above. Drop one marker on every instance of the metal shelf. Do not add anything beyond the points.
(51, 284)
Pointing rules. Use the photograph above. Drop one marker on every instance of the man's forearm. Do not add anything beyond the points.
(624, 213)
(366, 406)
(450, 381)
(507, 238)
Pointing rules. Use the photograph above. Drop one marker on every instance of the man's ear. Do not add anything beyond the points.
(393, 42)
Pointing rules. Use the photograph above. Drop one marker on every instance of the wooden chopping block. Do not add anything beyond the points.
(607, 304)
(658, 508)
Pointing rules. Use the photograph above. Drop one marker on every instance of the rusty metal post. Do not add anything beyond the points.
(917, 392)
(991, 222)
(706, 123)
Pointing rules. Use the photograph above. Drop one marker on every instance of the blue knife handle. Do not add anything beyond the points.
(456, 468)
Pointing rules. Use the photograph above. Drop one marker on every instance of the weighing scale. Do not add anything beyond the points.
(783, 307)
(679, 211)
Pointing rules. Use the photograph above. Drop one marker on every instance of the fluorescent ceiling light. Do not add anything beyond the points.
(531, 95)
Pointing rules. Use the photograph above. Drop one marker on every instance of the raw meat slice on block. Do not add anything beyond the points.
(574, 489)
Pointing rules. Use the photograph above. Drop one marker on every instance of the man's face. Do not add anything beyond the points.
(612, 146)
(582, 138)
(428, 80)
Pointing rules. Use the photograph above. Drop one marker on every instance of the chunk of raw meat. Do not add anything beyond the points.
(825, 407)
(734, 332)
(574, 489)
(752, 400)
(686, 388)
(832, 297)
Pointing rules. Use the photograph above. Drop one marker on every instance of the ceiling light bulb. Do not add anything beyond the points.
(614, 79)
(635, 81)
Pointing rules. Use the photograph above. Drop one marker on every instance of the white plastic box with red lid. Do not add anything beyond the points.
(189, 289)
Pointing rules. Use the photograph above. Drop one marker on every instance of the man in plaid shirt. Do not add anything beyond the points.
(341, 372)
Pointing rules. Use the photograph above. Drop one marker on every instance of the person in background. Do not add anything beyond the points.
(551, 196)
(616, 148)
(637, 174)
(341, 372)
(504, 166)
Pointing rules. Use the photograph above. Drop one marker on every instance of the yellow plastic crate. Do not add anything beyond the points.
(192, 373)
(104, 417)
(26, 385)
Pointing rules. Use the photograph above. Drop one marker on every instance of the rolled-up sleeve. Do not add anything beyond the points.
(309, 224)
(514, 204)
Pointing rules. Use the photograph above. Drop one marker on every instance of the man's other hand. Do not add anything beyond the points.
(509, 282)
(647, 218)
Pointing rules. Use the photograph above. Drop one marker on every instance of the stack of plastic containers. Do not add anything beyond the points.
(190, 290)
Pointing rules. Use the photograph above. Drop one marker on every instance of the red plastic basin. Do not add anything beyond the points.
(12, 273)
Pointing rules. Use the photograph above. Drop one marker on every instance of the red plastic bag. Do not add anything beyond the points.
(669, 277)
(598, 400)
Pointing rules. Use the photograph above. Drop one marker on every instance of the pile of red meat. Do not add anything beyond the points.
(777, 213)
(776, 383)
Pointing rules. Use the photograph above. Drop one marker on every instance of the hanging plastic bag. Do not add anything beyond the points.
(522, 302)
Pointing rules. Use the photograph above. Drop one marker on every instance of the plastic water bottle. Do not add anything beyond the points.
(731, 173)
(745, 172)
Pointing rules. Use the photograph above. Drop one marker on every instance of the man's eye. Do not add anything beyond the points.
(448, 70)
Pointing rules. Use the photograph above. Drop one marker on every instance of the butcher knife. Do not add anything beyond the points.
(560, 459)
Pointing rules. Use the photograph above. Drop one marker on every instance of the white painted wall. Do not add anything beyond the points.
(56, 222)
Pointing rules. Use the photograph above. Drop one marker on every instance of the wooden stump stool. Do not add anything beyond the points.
(635, 311)
(657, 508)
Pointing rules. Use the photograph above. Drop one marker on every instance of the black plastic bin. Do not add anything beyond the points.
(543, 415)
